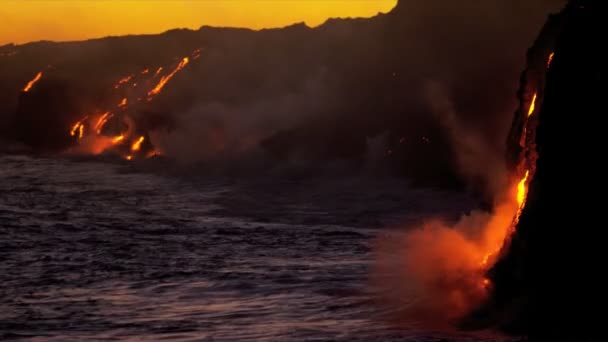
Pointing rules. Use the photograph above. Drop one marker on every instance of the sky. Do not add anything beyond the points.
(23, 21)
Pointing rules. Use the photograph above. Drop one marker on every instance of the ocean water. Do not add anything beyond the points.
(98, 250)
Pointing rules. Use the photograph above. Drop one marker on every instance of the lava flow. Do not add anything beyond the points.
(163, 81)
(31, 83)
(112, 130)
(78, 128)
(550, 60)
(522, 186)
(102, 121)
(522, 194)
(137, 144)
(521, 190)
(118, 139)
(447, 264)
(123, 81)
(533, 105)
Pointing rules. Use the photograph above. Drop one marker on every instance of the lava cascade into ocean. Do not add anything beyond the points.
(524, 175)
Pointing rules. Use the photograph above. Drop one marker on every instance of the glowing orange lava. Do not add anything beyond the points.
(31, 83)
(550, 59)
(74, 129)
(123, 81)
(522, 194)
(78, 128)
(94, 139)
(137, 145)
(102, 121)
(533, 105)
(118, 139)
(163, 81)
(522, 191)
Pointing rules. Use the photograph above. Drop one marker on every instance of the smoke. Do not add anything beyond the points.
(231, 130)
(94, 145)
(480, 163)
(433, 273)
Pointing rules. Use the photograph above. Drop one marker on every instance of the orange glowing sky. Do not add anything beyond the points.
(31, 20)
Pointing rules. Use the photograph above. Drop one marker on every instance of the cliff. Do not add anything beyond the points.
(547, 285)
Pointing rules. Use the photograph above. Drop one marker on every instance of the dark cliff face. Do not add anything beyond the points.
(310, 93)
(547, 286)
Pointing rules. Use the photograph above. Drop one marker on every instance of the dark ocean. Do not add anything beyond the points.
(100, 250)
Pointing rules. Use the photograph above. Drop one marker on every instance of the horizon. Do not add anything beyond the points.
(74, 20)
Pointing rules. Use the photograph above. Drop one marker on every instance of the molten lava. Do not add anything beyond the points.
(74, 129)
(520, 197)
(550, 59)
(123, 81)
(522, 194)
(118, 139)
(78, 127)
(102, 121)
(137, 145)
(533, 105)
(94, 138)
(522, 191)
(163, 81)
(31, 83)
